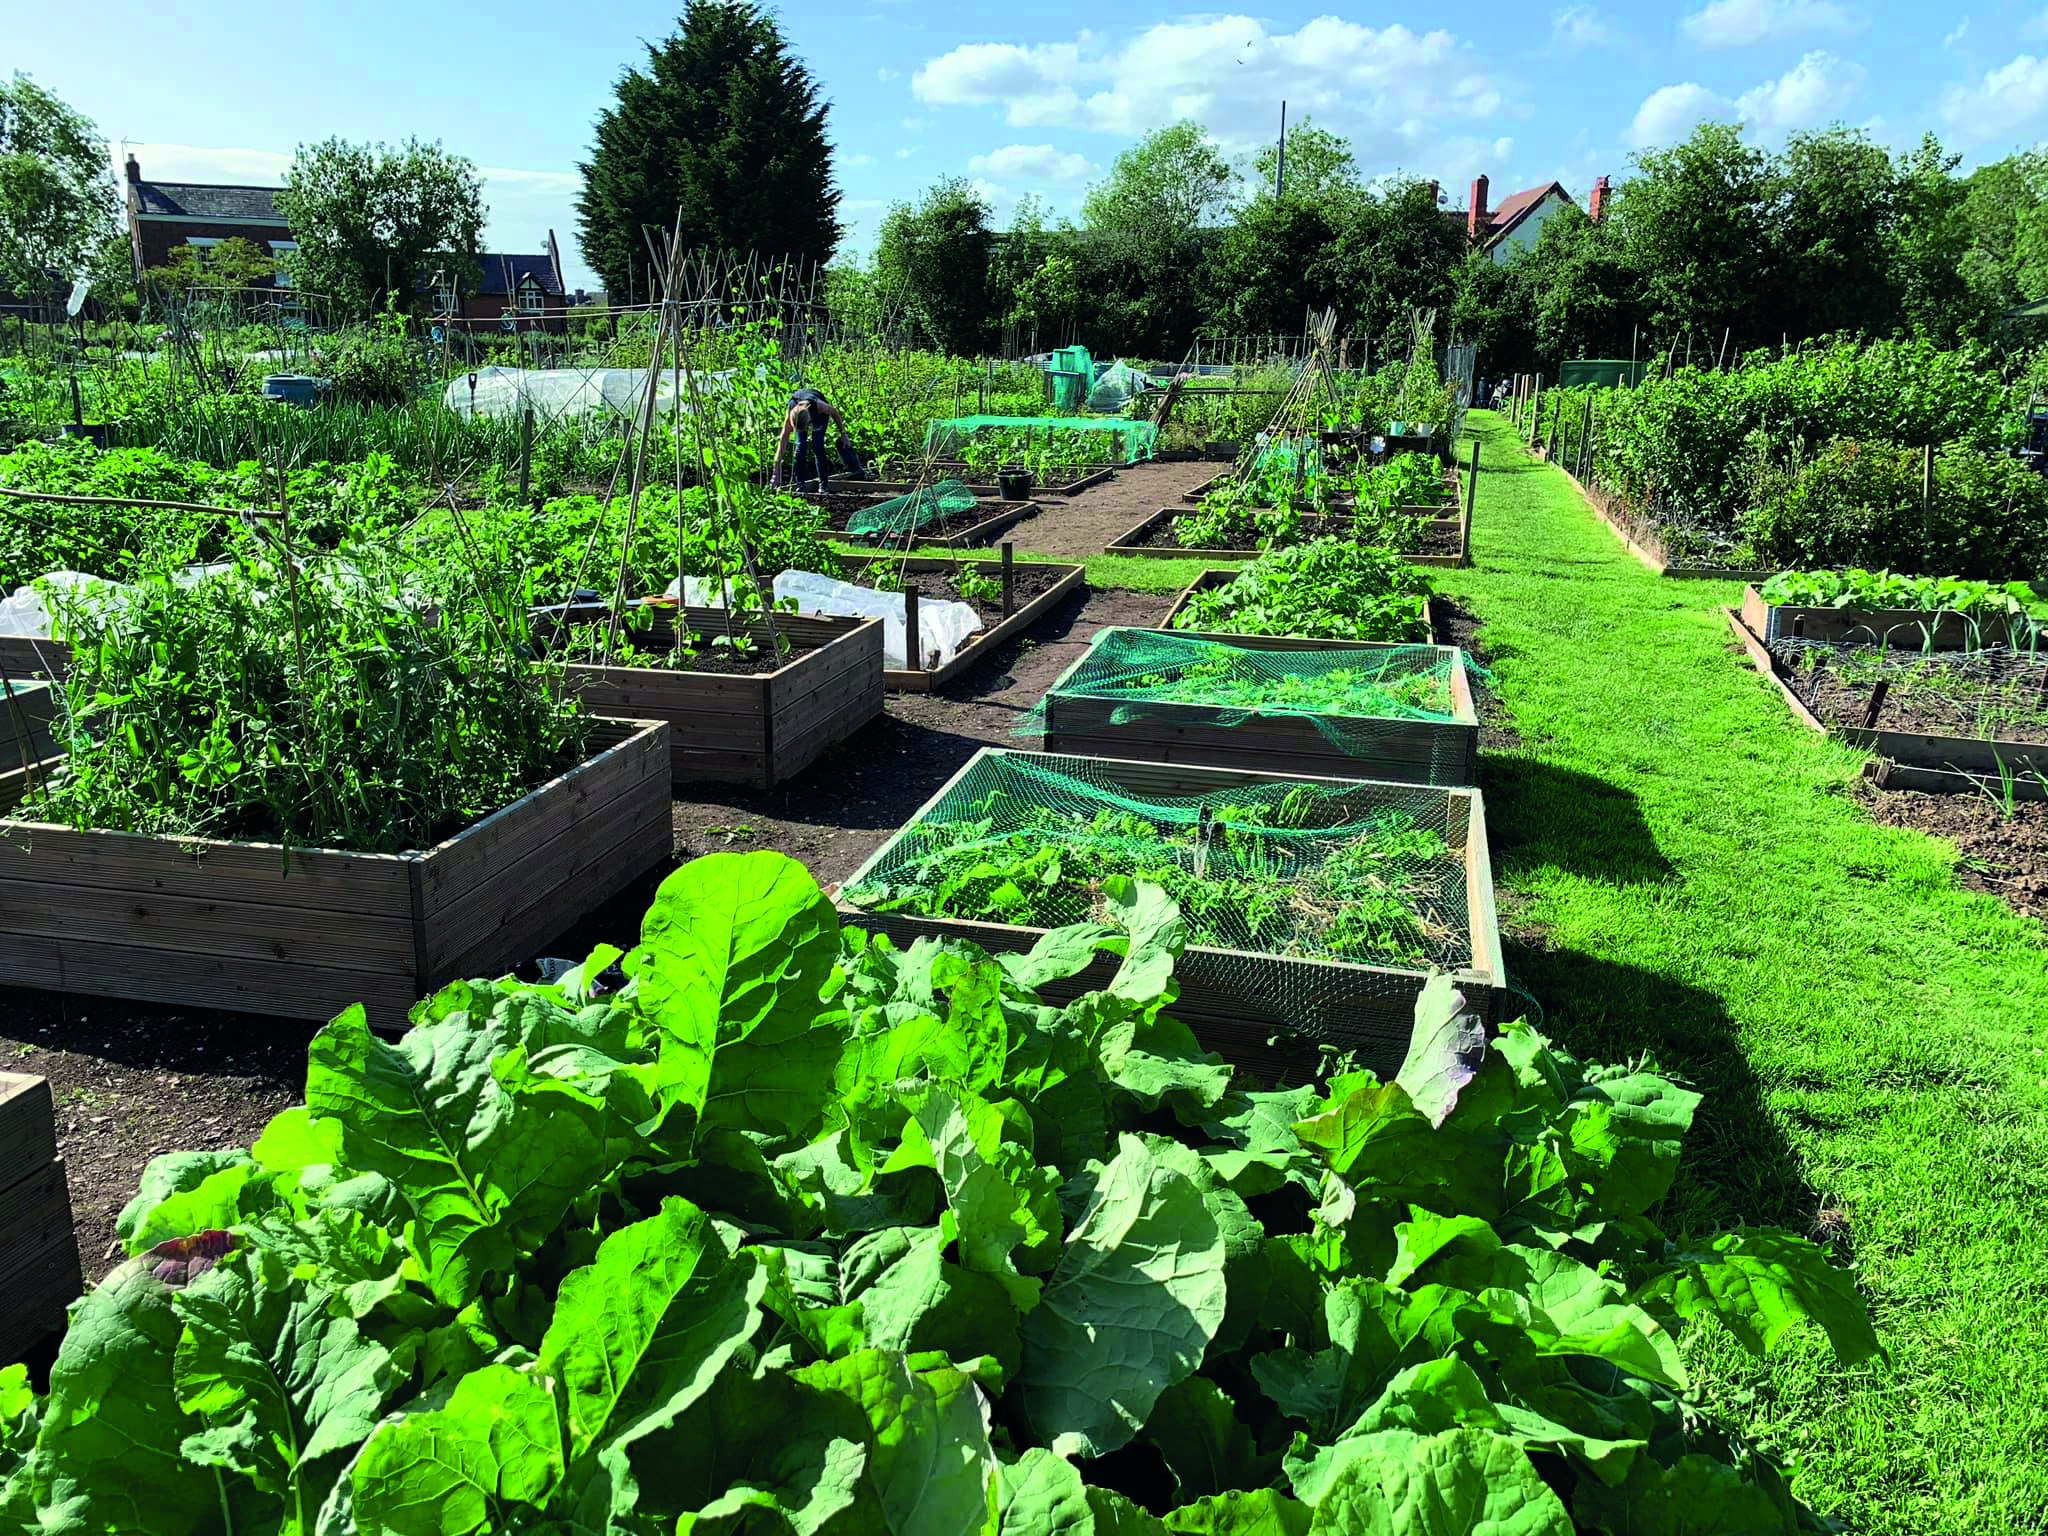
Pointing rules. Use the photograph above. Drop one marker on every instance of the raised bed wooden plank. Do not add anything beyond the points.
(29, 708)
(1642, 541)
(1131, 543)
(983, 532)
(1913, 629)
(731, 727)
(39, 1273)
(1230, 998)
(240, 927)
(1208, 581)
(1407, 750)
(981, 643)
(1973, 761)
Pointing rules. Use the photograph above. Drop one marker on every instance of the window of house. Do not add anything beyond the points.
(280, 252)
(202, 249)
(531, 300)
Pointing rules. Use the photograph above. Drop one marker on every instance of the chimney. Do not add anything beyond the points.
(1596, 205)
(1435, 196)
(134, 169)
(1476, 220)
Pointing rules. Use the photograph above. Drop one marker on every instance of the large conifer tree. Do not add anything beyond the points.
(724, 126)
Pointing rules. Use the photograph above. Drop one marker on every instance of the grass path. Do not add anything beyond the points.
(1688, 881)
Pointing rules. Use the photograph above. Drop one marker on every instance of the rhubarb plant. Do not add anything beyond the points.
(801, 1232)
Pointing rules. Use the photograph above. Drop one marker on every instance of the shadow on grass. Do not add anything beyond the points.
(1737, 1166)
(1542, 816)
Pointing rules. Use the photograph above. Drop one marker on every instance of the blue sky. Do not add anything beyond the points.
(1040, 98)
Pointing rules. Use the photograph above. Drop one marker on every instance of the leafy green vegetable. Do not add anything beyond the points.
(972, 1261)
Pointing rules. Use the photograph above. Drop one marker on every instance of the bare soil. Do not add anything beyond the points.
(132, 1080)
(1996, 695)
(2006, 856)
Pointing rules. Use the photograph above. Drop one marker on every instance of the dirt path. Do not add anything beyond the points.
(132, 1080)
(1090, 522)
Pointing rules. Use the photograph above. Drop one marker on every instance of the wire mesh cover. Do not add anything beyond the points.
(1355, 695)
(906, 514)
(1138, 438)
(1366, 874)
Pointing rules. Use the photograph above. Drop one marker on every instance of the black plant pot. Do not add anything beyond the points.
(1015, 484)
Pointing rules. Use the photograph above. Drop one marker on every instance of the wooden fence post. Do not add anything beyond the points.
(1472, 481)
(1536, 410)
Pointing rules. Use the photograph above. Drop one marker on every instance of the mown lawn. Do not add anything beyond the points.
(1685, 879)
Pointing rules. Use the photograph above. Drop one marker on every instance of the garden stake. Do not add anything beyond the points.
(1009, 598)
(913, 640)
(1877, 694)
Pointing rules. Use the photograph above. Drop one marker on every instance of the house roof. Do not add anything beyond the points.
(503, 273)
(1498, 222)
(206, 200)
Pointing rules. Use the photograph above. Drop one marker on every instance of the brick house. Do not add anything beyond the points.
(163, 215)
(1515, 224)
(514, 293)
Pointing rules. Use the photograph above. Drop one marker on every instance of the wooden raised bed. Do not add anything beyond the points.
(1913, 759)
(1211, 579)
(1910, 629)
(1002, 515)
(1640, 538)
(301, 933)
(1232, 999)
(39, 1274)
(1443, 752)
(1130, 543)
(1080, 481)
(755, 728)
(30, 708)
(981, 642)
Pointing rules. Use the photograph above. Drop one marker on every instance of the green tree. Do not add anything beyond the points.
(233, 263)
(371, 220)
(1395, 253)
(59, 216)
(1146, 227)
(1495, 310)
(1831, 228)
(1696, 222)
(723, 130)
(935, 258)
(1586, 291)
(1320, 166)
(1271, 266)
(1930, 245)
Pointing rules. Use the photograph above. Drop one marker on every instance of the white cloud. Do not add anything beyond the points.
(885, 74)
(911, 124)
(1736, 23)
(1671, 112)
(2002, 105)
(1398, 95)
(1812, 92)
(905, 152)
(862, 159)
(1578, 27)
(1032, 162)
(1950, 42)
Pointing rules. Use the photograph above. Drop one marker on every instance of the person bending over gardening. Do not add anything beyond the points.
(808, 415)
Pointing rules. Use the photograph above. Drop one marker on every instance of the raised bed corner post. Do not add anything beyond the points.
(1009, 577)
(913, 638)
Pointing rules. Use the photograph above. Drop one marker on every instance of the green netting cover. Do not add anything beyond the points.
(1357, 696)
(902, 515)
(1137, 440)
(1371, 874)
